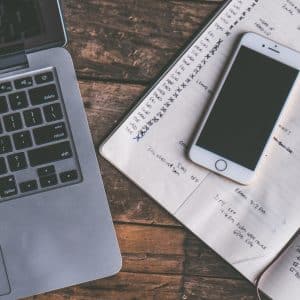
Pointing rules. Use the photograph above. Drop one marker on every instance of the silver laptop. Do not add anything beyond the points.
(55, 226)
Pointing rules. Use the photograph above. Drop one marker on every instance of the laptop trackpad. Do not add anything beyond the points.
(4, 284)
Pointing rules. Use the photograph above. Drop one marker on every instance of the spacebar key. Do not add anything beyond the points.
(48, 154)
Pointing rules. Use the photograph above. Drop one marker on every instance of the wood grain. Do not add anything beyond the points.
(136, 286)
(130, 40)
(119, 48)
(156, 265)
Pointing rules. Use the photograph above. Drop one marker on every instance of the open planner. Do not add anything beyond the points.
(247, 225)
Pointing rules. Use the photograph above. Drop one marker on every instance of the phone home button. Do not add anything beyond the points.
(221, 165)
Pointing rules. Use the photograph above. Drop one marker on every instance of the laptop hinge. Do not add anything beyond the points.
(14, 62)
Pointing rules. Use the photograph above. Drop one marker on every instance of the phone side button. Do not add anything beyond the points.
(221, 165)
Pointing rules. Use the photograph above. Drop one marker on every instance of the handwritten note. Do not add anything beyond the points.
(249, 225)
(295, 265)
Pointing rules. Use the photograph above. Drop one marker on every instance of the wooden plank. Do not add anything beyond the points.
(197, 288)
(124, 286)
(200, 260)
(130, 40)
(151, 239)
(132, 286)
(151, 249)
(156, 266)
(106, 104)
(166, 250)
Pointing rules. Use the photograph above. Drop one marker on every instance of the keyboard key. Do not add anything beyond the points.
(53, 112)
(33, 117)
(34, 137)
(48, 181)
(48, 154)
(46, 171)
(17, 162)
(13, 122)
(25, 128)
(5, 87)
(18, 100)
(5, 145)
(50, 133)
(43, 78)
(68, 176)
(8, 186)
(3, 168)
(3, 105)
(23, 83)
(22, 140)
(43, 94)
(28, 186)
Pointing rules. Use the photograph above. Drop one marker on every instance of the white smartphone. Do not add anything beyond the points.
(247, 106)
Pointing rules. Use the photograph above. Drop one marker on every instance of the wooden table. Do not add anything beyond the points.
(119, 48)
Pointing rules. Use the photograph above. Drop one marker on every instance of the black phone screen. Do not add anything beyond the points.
(247, 108)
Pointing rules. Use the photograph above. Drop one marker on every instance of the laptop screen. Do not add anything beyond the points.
(30, 25)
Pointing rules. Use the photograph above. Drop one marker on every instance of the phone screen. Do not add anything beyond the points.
(247, 108)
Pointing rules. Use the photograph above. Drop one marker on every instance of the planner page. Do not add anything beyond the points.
(249, 225)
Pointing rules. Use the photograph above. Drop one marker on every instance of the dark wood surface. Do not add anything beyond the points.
(119, 48)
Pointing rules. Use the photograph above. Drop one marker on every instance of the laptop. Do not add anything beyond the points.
(55, 226)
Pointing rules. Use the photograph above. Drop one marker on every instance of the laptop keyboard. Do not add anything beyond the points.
(36, 148)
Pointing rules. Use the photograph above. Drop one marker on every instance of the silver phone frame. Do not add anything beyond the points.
(209, 159)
